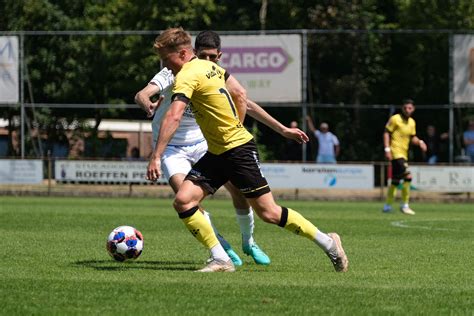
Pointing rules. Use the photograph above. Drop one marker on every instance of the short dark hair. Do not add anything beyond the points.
(408, 101)
(207, 39)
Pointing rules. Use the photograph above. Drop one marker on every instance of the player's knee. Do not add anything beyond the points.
(269, 216)
(181, 202)
(177, 205)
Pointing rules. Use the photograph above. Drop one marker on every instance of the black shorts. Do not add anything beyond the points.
(400, 169)
(239, 165)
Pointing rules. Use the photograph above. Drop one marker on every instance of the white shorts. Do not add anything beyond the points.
(180, 159)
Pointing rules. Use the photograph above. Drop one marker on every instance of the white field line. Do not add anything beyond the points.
(403, 224)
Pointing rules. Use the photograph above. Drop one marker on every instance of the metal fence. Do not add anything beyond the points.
(68, 77)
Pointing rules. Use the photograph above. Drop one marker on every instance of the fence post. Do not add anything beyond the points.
(49, 172)
(382, 180)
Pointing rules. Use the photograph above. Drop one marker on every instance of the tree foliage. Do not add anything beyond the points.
(347, 67)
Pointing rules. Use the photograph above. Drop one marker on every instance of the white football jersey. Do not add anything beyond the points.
(188, 132)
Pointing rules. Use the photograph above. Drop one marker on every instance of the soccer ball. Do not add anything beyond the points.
(125, 243)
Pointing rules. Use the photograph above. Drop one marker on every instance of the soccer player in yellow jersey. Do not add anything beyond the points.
(400, 131)
(232, 155)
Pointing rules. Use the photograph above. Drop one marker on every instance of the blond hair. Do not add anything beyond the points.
(173, 39)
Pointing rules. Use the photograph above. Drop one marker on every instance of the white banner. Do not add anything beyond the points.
(102, 171)
(268, 66)
(278, 175)
(16, 171)
(9, 83)
(318, 176)
(443, 179)
(463, 69)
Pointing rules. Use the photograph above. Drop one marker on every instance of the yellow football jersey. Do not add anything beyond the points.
(203, 83)
(401, 130)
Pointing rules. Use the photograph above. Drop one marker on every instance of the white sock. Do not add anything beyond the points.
(218, 253)
(324, 241)
(247, 224)
(405, 205)
(207, 216)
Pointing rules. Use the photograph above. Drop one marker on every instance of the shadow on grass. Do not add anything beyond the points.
(110, 265)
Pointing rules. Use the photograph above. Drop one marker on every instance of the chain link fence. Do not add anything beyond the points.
(74, 82)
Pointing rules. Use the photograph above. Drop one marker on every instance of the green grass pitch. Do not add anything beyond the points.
(53, 261)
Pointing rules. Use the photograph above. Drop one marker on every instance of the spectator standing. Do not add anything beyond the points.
(433, 144)
(468, 138)
(328, 143)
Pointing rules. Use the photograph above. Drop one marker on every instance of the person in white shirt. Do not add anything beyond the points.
(188, 144)
(329, 148)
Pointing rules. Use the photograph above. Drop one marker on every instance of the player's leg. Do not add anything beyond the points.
(245, 219)
(186, 204)
(405, 207)
(176, 163)
(175, 182)
(392, 189)
(194, 153)
(293, 221)
(225, 244)
(247, 176)
(206, 177)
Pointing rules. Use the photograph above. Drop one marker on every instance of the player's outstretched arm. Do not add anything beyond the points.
(257, 112)
(239, 95)
(143, 99)
(168, 127)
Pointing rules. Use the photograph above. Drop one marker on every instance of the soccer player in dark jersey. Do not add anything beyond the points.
(400, 131)
(232, 154)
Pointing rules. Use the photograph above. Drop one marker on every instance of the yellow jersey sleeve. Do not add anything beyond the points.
(391, 124)
(413, 127)
(203, 83)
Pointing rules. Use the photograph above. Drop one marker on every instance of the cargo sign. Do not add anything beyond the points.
(19, 171)
(317, 176)
(102, 171)
(269, 67)
(443, 179)
(254, 60)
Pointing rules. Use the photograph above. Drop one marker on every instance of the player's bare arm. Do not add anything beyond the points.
(257, 112)
(239, 96)
(143, 99)
(168, 127)
(418, 142)
(386, 145)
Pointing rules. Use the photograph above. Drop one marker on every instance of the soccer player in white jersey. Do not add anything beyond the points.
(188, 145)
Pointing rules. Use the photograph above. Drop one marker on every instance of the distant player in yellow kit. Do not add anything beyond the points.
(232, 154)
(400, 131)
